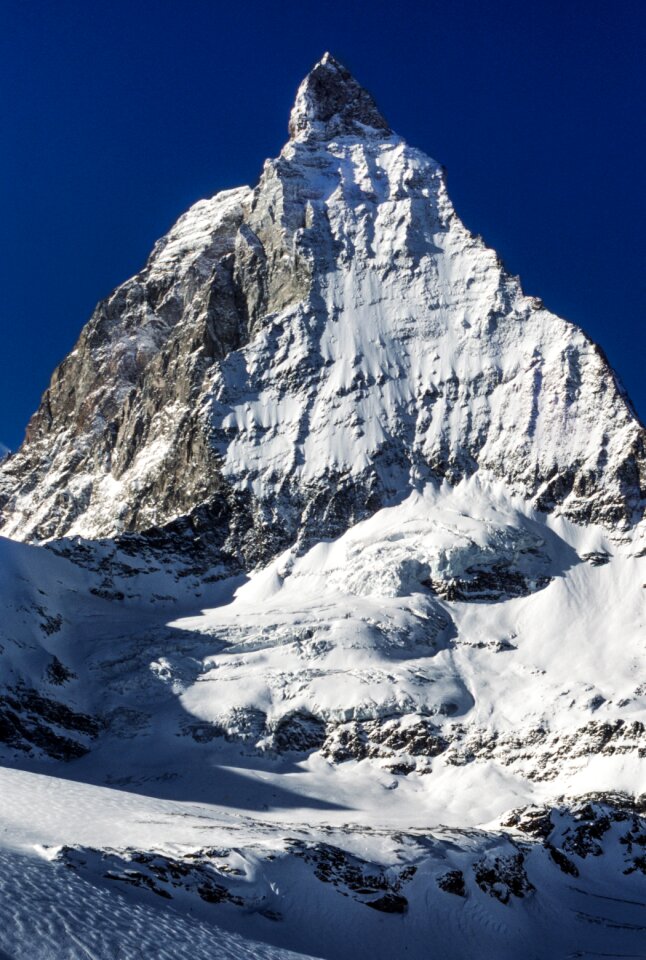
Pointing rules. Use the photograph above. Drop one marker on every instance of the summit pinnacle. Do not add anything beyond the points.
(330, 103)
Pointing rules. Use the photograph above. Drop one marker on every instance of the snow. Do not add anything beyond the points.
(348, 631)
(190, 237)
(50, 913)
(345, 629)
(413, 348)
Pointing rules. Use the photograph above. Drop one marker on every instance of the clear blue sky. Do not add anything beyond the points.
(116, 116)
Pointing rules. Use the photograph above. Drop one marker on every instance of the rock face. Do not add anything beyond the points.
(294, 356)
(330, 103)
(118, 436)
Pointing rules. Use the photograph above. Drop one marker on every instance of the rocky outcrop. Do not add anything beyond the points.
(33, 724)
(531, 856)
(541, 753)
(330, 103)
(118, 433)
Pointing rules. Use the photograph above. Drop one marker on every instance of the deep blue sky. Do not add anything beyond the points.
(116, 116)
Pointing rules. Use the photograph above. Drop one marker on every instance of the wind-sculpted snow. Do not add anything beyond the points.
(209, 884)
(332, 537)
(414, 357)
(50, 913)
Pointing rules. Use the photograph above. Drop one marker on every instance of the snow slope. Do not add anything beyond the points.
(477, 893)
(273, 756)
(413, 615)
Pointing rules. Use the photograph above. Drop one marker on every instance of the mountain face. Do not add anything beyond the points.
(327, 622)
(293, 357)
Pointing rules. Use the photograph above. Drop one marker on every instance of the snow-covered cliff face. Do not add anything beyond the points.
(295, 356)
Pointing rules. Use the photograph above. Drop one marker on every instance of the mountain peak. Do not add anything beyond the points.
(330, 102)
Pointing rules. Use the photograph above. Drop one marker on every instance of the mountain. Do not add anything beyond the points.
(301, 353)
(323, 592)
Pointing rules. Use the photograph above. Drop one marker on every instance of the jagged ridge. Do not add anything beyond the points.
(294, 356)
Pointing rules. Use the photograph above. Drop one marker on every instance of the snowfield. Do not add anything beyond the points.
(265, 743)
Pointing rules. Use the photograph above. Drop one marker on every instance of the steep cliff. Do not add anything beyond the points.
(294, 356)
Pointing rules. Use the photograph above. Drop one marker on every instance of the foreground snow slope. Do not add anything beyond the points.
(275, 758)
(356, 891)
(323, 617)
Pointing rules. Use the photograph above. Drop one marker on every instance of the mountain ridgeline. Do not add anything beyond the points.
(296, 355)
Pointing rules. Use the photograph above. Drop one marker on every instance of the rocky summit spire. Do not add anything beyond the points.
(330, 103)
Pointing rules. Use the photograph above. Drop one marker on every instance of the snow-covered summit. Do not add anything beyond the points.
(294, 356)
(330, 103)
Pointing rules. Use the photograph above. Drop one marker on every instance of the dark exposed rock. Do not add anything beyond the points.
(203, 732)
(562, 861)
(536, 822)
(299, 732)
(545, 751)
(58, 673)
(50, 623)
(106, 594)
(596, 558)
(356, 877)
(503, 877)
(452, 882)
(137, 879)
(29, 721)
(160, 874)
(499, 582)
(389, 903)
(331, 103)
(390, 737)
(589, 826)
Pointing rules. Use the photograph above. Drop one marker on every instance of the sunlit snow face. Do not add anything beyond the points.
(363, 626)
(454, 545)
